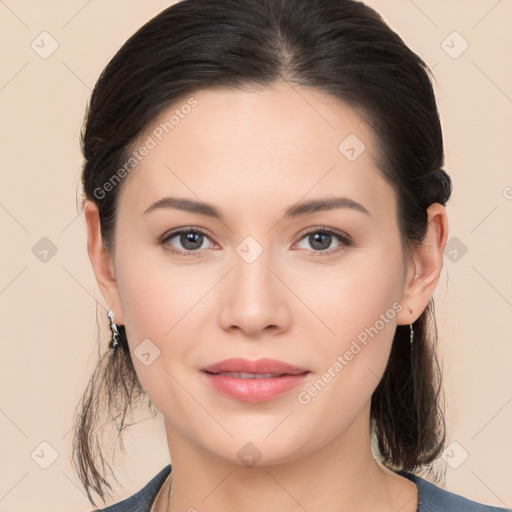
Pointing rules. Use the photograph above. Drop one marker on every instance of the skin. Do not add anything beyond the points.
(252, 154)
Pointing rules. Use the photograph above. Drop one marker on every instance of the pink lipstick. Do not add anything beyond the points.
(253, 381)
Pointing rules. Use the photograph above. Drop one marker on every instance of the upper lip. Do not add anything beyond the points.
(263, 365)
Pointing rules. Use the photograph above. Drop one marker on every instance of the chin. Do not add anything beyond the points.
(259, 449)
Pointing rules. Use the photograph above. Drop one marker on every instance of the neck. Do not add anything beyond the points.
(341, 475)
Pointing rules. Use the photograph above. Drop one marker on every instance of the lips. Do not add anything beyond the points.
(261, 366)
(243, 375)
(253, 381)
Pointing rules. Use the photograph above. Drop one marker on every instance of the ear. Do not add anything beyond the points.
(423, 275)
(102, 261)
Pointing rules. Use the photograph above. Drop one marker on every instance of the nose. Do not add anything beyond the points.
(254, 299)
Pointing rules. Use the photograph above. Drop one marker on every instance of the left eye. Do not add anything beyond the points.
(321, 239)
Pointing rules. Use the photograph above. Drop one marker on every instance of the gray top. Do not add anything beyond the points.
(431, 498)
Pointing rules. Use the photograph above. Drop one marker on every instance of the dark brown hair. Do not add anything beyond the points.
(340, 47)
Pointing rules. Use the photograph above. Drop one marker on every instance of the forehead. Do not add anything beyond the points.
(266, 146)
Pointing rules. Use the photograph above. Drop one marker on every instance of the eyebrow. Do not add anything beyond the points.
(297, 210)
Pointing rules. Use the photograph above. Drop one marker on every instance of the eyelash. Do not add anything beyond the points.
(343, 238)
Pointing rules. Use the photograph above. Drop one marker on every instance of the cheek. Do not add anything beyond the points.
(353, 294)
(162, 311)
(362, 313)
(154, 293)
(356, 305)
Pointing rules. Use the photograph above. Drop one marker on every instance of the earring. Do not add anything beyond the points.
(412, 330)
(114, 342)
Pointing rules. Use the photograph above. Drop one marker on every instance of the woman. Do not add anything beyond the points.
(264, 199)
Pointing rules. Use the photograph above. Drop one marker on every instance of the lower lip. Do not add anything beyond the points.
(254, 390)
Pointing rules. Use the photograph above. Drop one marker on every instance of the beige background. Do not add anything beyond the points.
(48, 321)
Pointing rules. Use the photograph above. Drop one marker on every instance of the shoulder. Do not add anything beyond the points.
(142, 500)
(432, 498)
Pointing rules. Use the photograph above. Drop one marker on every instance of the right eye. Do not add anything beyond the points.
(190, 240)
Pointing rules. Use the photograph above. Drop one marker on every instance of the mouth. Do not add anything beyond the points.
(261, 366)
(253, 381)
(244, 375)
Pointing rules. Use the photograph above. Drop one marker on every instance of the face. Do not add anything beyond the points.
(317, 289)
